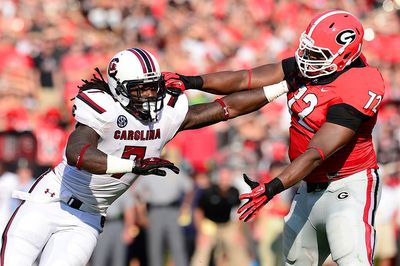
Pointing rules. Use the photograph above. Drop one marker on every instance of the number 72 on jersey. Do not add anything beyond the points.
(374, 98)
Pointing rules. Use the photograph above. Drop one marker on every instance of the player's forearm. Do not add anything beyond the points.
(245, 102)
(248, 101)
(91, 159)
(231, 106)
(300, 168)
(225, 82)
(236, 104)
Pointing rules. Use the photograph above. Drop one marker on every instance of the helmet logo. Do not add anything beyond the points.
(112, 67)
(345, 37)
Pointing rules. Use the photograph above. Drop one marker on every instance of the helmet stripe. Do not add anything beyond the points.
(150, 59)
(145, 58)
(140, 59)
(324, 17)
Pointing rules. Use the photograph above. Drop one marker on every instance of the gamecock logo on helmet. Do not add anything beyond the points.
(346, 37)
(112, 68)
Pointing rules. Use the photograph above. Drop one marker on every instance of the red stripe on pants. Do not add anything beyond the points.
(366, 217)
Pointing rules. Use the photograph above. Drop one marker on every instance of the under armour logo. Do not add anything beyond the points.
(52, 194)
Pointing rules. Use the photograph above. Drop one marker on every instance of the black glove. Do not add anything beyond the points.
(152, 165)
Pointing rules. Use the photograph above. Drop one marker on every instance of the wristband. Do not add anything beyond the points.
(192, 82)
(117, 165)
(226, 112)
(275, 186)
(319, 150)
(272, 92)
(79, 161)
(249, 78)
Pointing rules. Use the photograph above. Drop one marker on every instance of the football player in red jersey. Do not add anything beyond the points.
(333, 100)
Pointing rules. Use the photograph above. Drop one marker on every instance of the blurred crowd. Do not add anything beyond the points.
(48, 47)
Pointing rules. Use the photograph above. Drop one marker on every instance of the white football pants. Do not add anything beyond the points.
(338, 220)
(49, 229)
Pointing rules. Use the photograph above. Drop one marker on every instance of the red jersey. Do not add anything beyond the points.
(360, 87)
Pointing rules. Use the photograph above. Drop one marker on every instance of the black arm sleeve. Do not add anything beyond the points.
(292, 74)
(346, 115)
(289, 67)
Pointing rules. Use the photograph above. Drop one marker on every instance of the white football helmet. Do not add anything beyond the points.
(129, 74)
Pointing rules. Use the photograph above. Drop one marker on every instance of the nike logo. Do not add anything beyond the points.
(324, 90)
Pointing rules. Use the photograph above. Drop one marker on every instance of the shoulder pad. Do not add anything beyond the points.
(94, 108)
(175, 113)
(362, 88)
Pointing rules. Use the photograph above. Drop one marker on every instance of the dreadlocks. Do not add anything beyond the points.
(95, 83)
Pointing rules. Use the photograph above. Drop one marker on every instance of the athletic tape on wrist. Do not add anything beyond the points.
(192, 82)
(272, 92)
(224, 107)
(117, 165)
(79, 161)
(275, 186)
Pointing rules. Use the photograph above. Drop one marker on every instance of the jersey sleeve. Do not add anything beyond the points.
(177, 108)
(363, 89)
(93, 108)
(345, 115)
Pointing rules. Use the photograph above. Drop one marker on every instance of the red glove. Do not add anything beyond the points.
(257, 198)
(173, 80)
(180, 82)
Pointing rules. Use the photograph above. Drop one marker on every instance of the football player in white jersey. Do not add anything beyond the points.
(119, 123)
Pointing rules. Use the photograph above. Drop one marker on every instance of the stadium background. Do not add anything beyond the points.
(47, 47)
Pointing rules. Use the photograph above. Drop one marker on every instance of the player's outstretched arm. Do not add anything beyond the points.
(329, 139)
(227, 82)
(231, 106)
(82, 152)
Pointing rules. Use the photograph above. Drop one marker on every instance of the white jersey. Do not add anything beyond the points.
(121, 135)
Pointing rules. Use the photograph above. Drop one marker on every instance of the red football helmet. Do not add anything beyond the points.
(331, 42)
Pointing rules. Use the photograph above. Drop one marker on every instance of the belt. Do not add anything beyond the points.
(77, 204)
(74, 203)
(316, 187)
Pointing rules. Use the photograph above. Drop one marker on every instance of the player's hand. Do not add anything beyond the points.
(257, 198)
(152, 165)
(181, 83)
(174, 81)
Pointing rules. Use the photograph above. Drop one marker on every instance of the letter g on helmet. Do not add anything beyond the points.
(331, 42)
